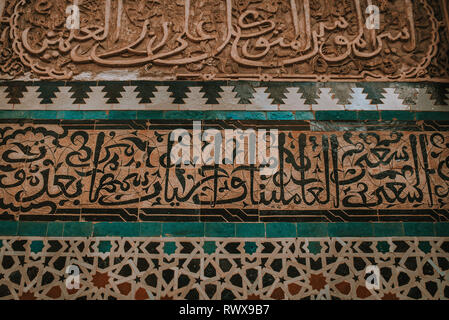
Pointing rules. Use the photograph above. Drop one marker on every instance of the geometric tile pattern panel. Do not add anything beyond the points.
(299, 40)
(222, 268)
(122, 171)
(223, 95)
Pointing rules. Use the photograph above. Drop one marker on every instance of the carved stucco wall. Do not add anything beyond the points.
(313, 40)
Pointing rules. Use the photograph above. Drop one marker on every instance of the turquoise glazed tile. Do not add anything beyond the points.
(150, 229)
(418, 229)
(78, 229)
(44, 114)
(219, 229)
(336, 115)
(383, 246)
(72, 115)
(122, 115)
(313, 229)
(432, 115)
(222, 115)
(398, 115)
(314, 247)
(368, 115)
(229, 115)
(183, 229)
(211, 115)
(304, 115)
(117, 229)
(388, 229)
(11, 114)
(95, 115)
(425, 246)
(104, 246)
(214, 115)
(32, 229)
(350, 229)
(246, 115)
(442, 229)
(55, 229)
(149, 114)
(281, 115)
(8, 228)
(281, 230)
(36, 246)
(185, 115)
(169, 247)
(250, 230)
(209, 247)
(250, 247)
(82, 115)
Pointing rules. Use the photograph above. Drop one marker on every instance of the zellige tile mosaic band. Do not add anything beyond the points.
(223, 229)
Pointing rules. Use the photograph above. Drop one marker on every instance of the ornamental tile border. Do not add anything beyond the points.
(322, 268)
(344, 118)
(223, 229)
(222, 96)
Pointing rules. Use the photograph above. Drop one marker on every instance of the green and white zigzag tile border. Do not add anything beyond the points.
(222, 96)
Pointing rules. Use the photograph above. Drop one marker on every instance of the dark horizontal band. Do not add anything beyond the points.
(225, 115)
(239, 230)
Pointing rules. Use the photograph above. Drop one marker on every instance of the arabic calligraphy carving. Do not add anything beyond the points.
(46, 169)
(315, 40)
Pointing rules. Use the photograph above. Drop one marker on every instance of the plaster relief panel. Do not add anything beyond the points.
(314, 40)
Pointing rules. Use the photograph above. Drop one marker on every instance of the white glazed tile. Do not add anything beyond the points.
(63, 100)
(195, 100)
(424, 102)
(327, 101)
(359, 101)
(162, 100)
(261, 101)
(4, 105)
(129, 100)
(228, 100)
(30, 100)
(293, 101)
(96, 100)
(392, 101)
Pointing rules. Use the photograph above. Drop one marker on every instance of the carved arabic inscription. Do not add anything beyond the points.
(53, 170)
(290, 39)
